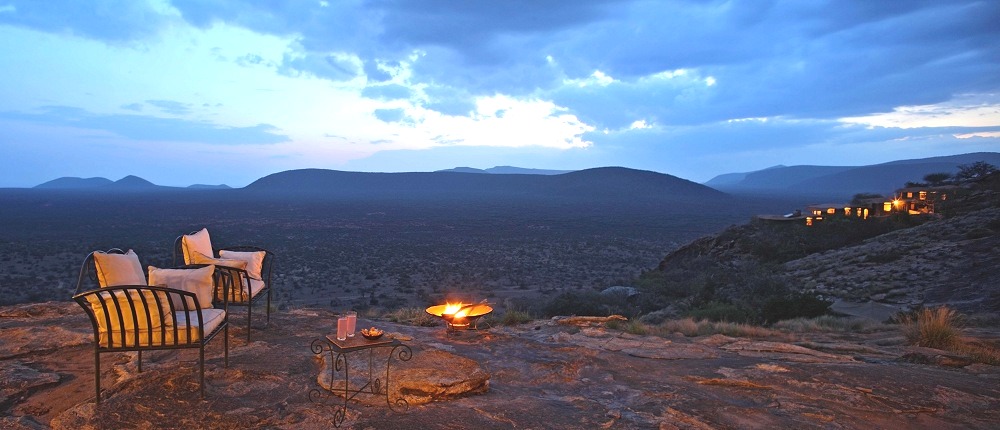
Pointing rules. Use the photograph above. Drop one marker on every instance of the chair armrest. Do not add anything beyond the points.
(129, 316)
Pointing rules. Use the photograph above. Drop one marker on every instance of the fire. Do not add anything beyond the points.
(460, 315)
(456, 310)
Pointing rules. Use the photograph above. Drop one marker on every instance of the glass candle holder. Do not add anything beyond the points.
(352, 322)
(342, 328)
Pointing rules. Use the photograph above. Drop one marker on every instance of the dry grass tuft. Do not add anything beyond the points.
(690, 327)
(940, 328)
(830, 323)
(412, 316)
(932, 328)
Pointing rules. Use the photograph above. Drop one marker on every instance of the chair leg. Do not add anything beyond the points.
(97, 375)
(225, 343)
(202, 361)
(249, 312)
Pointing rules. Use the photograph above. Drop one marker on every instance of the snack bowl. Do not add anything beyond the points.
(372, 333)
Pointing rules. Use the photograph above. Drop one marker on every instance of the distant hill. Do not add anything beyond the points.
(131, 182)
(209, 187)
(507, 170)
(69, 182)
(607, 183)
(842, 182)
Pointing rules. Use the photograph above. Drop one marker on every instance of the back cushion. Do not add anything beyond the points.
(196, 242)
(118, 269)
(197, 281)
(106, 307)
(254, 259)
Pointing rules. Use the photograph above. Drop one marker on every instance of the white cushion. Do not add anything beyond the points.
(118, 269)
(255, 286)
(199, 258)
(196, 242)
(198, 281)
(254, 259)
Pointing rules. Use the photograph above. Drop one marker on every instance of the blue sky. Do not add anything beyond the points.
(226, 91)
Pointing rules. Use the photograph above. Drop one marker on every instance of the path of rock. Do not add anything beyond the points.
(540, 375)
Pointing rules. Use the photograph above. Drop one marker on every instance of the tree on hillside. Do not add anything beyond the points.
(971, 172)
(935, 179)
(859, 198)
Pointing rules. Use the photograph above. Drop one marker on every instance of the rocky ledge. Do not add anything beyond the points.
(546, 374)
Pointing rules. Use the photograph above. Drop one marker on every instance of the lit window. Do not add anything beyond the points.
(847, 211)
(831, 211)
(923, 195)
(887, 207)
(809, 220)
(909, 194)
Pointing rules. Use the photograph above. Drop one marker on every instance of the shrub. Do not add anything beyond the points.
(412, 316)
(720, 311)
(587, 303)
(795, 305)
(515, 317)
(932, 328)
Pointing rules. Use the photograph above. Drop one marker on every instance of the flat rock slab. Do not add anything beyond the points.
(541, 375)
(428, 376)
(782, 351)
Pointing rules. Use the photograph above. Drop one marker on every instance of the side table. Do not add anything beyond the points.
(340, 351)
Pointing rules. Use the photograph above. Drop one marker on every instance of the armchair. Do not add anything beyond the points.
(249, 267)
(129, 315)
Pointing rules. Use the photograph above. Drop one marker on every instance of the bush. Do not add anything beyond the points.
(412, 316)
(515, 317)
(720, 311)
(932, 328)
(795, 305)
(587, 303)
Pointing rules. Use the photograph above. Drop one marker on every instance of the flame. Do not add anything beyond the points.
(456, 310)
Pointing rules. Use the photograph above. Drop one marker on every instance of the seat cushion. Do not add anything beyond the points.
(118, 269)
(198, 241)
(254, 259)
(198, 281)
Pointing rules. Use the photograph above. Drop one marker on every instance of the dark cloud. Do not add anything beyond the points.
(390, 115)
(387, 92)
(148, 128)
(109, 20)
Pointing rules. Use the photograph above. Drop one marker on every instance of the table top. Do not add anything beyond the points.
(359, 342)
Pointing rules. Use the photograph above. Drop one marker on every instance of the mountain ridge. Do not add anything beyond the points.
(842, 182)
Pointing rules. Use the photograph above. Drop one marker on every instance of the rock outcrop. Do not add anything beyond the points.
(539, 375)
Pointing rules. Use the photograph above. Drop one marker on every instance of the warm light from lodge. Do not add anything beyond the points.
(847, 211)
(887, 207)
(831, 211)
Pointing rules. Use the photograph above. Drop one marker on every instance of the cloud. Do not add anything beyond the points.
(110, 20)
(676, 86)
(149, 128)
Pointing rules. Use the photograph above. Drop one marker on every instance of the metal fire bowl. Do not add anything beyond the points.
(474, 313)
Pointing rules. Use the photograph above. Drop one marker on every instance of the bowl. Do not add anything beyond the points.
(372, 333)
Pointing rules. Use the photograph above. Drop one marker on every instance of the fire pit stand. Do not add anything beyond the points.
(460, 316)
(373, 384)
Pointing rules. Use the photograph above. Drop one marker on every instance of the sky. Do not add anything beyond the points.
(183, 92)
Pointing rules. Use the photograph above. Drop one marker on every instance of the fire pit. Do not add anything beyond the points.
(460, 316)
